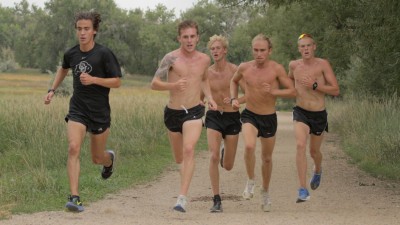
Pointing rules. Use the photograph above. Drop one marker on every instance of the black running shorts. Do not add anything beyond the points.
(265, 124)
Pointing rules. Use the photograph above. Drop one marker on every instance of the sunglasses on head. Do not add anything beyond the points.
(304, 36)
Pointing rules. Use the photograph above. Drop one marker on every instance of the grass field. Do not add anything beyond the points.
(33, 145)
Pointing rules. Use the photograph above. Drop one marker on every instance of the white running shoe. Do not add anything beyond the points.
(265, 201)
(248, 192)
(181, 204)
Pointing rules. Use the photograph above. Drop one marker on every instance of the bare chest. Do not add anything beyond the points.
(315, 72)
(256, 77)
(189, 69)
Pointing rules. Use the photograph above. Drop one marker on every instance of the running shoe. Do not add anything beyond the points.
(108, 171)
(222, 150)
(265, 201)
(303, 195)
(180, 205)
(217, 207)
(74, 204)
(249, 189)
(315, 180)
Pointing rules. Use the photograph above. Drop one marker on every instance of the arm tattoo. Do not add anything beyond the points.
(166, 64)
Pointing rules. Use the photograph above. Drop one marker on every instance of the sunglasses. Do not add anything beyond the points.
(304, 36)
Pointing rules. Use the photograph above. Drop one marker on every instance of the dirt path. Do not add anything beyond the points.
(346, 195)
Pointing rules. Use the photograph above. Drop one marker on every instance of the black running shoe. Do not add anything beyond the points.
(217, 207)
(108, 171)
(74, 204)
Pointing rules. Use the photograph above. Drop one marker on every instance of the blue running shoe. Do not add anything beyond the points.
(74, 204)
(303, 195)
(315, 180)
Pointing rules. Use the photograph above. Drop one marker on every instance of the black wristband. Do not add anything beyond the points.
(315, 85)
(232, 100)
(51, 90)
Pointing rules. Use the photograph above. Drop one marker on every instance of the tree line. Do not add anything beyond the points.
(360, 38)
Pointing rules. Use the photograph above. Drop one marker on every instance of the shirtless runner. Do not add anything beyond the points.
(223, 124)
(263, 78)
(183, 72)
(313, 78)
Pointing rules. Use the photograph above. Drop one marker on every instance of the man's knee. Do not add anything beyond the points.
(188, 151)
(214, 157)
(73, 149)
(228, 166)
(301, 146)
(266, 159)
(250, 148)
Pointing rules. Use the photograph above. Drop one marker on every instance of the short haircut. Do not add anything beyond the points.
(305, 35)
(89, 15)
(262, 37)
(219, 38)
(188, 24)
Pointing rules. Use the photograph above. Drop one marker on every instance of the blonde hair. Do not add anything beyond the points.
(219, 38)
(263, 38)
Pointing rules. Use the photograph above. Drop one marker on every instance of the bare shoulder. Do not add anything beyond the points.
(244, 65)
(323, 62)
(232, 67)
(294, 63)
(204, 57)
(170, 57)
(276, 65)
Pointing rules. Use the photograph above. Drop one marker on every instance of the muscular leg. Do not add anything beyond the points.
(191, 133)
(175, 139)
(76, 134)
(267, 147)
(230, 144)
(98, 148)
(301, 133)
(250, 138)
(315, 151)
(214, 141)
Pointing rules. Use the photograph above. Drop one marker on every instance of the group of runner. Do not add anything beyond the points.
(193, 83)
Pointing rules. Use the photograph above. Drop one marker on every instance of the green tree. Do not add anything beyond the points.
(157, 37)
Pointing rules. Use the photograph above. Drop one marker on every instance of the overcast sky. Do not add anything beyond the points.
(178, 5)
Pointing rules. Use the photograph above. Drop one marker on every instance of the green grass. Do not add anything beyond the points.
(369, 131)
(33, 145)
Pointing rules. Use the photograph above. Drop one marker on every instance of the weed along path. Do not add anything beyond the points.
(346, 195)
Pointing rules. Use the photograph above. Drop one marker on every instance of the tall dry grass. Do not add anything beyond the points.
(33, 147)
(369, 130)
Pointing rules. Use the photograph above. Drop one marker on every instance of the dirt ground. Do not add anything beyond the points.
(346, 195)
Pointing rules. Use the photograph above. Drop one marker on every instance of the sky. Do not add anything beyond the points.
(178, 5)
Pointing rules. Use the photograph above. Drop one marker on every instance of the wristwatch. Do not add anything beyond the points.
(232, 100)
(315, 85)
(51, 90)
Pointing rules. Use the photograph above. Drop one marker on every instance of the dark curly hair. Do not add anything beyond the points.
(89, 15)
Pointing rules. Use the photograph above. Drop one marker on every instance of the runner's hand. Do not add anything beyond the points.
(235, 104)
(181, 84)
(48, 97)
(306, 81)
(227, 100)
(86, 79)
(212, 105)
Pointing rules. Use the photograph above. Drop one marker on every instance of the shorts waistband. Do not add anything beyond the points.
(185, 109)
(248, 111)
(307, 111)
